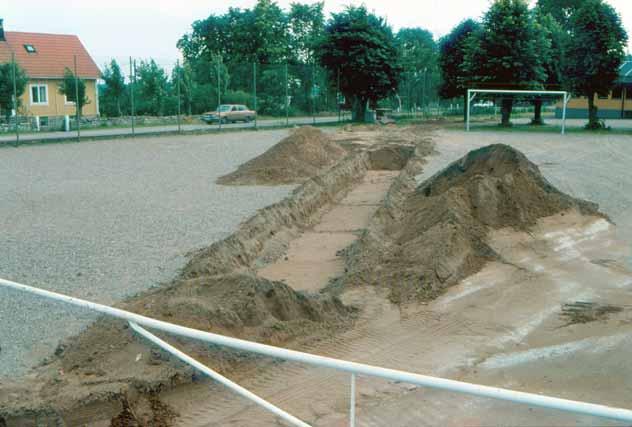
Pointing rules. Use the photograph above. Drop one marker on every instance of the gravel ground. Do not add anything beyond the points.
(106, 220)
(592, 167)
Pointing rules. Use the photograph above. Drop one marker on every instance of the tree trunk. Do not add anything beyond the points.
(537, 117)
(359, 109)
(118, 107)
(506, 107)
(593, 120)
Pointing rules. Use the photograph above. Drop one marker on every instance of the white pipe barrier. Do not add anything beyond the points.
(341, 365)
(218, 377)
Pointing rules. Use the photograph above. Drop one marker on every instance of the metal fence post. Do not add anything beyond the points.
(77, 102)
(338, 96)
(352, 405)
(287, 99)
(254, 89)
(313, 98)
(132, 79)
(15, 101)
(219, 92)
(178, 92)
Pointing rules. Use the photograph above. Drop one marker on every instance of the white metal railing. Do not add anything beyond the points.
(296, 356)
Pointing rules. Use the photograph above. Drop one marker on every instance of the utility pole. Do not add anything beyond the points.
(15, 101)
(132, 80)
(77, 103)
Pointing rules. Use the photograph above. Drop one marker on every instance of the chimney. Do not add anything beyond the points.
(2, 39)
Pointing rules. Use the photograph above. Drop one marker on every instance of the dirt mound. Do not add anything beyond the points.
(302, 155)
(106, 369)
(430, 237)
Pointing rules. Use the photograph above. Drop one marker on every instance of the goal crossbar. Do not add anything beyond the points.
(471, 95)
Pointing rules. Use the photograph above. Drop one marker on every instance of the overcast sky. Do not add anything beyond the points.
(150, 28)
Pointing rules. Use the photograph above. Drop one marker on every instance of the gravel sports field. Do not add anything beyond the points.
(104, 220)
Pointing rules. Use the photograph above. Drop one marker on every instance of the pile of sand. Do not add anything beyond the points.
(300, 156)
(108, 363)
(437, 235)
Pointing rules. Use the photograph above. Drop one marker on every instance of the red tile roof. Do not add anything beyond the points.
(54, 53)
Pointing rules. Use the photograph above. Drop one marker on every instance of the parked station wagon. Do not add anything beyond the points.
(229, 113)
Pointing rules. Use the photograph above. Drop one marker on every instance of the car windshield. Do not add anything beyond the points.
(224, 108)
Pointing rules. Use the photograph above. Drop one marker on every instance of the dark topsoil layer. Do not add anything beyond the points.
(428, 238)
(306, 152)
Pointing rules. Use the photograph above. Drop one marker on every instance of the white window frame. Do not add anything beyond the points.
(38, 85)
(66, 102)
(471, 94)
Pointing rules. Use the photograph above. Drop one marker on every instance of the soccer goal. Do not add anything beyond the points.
(472, 93)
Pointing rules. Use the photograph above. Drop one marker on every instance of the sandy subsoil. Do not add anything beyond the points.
(313, 258)
(551, 315)
(502, 326)
(105, 373)
(508, 325)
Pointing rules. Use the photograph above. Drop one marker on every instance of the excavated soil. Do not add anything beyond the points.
(107, 374)
(305, 153)
(428, 238)
(107, 370)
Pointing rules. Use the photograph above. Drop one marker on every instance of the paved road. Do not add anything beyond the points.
(103, 221)
(198, 127)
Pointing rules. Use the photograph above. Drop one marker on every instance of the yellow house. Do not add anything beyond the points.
(617, 105)
(45, 58)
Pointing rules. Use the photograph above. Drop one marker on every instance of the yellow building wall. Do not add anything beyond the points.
(603, 104)
(57, 105)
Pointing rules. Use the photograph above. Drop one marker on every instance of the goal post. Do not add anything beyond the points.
(472, 93)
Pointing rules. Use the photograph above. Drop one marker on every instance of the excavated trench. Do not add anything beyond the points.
(237, 287)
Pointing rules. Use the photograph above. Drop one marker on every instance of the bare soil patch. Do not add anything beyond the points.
(432, 236)
(306, 152)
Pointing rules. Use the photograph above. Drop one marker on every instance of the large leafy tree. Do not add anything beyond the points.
(152, 88)
(115, 87)
(504, 53)
(306, 23)
(552, 41)
(75, 90)
(560, 10)
(595, 52)
(452, 51)
(361, 47)
(418, 54)
(6, 86)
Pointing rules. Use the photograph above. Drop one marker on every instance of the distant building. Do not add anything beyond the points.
(617, 105)
(44, 58)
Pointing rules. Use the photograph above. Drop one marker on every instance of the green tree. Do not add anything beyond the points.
(115, 87)
(361, 46)
(184, 74)
(595, 52)
(452, 51)
(504, 53)
(552, 41)
(152, 88)
(560, 10)
(418, 55)
(6, 86)
(306, 23)
(75, 90)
